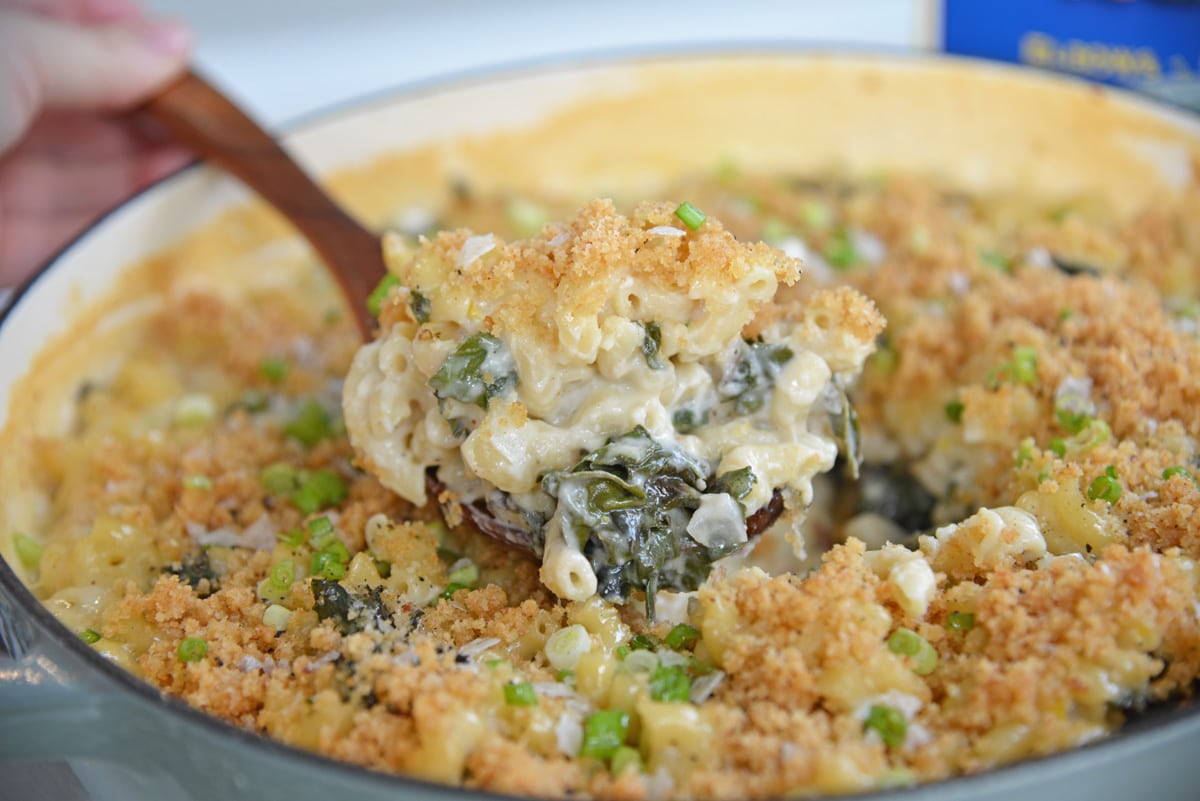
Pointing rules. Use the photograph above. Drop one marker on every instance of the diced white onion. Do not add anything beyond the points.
(477, 646)
(474, 248)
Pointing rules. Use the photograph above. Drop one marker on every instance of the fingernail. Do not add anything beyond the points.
(166, 36)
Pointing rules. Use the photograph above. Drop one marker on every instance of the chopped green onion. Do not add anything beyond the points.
(682, 636)
(90, 636)
(1022, 369)
(319, 489)
(996, 260)
(816, 214)
(625, 758)
(1024, 364)
(379, 294)
(1065, 314)
(888, 722)
(643, 642)
(623, 651)
(277, 616)
(520, 694)
(274, 369)
(565, 647)
(1072, 422)
(895, 778)
(448, 593)
(774, 231)
(1059, 446)
(1025, 452)
(327, 564)
(640, 662)
(1105, 487)
(279, 478)
(921, 656)
(197, 482)
(192, 649)
(525, 216)
(310, 425)
(29, 550)
(1180, 471)
(283, 573)
(960, 621)
(691, 216)
(603, 733)
(954, 411)
(448, 555)
(566, 677)
(195, 410)
(840, 252)
(322, 532)
(294, 538)
(1096, 433)
(466, 575)
(670, 683)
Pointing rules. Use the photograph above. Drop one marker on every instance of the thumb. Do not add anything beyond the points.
(51, 63)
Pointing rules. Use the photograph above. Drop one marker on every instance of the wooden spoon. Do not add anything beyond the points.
(203, 119)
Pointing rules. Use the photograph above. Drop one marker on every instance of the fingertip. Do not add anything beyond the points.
(166, 36)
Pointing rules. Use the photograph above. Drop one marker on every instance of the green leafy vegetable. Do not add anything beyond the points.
(751, 377)
(477, 371)
(195, 570)
(650, 344)
(350, 612)
(628, 505)
(421, 307)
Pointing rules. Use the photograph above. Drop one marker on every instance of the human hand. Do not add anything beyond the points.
(66, 68)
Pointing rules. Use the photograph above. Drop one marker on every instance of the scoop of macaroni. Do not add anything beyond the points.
(598, 386)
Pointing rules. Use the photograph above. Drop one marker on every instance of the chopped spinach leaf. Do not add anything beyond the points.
(195, 570)
(421, 307)
(751, 377)
(650, 345)
(350, 612)
(477, 371)
(628, 505)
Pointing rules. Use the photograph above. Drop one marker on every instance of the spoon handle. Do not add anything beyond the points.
(203, 119)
